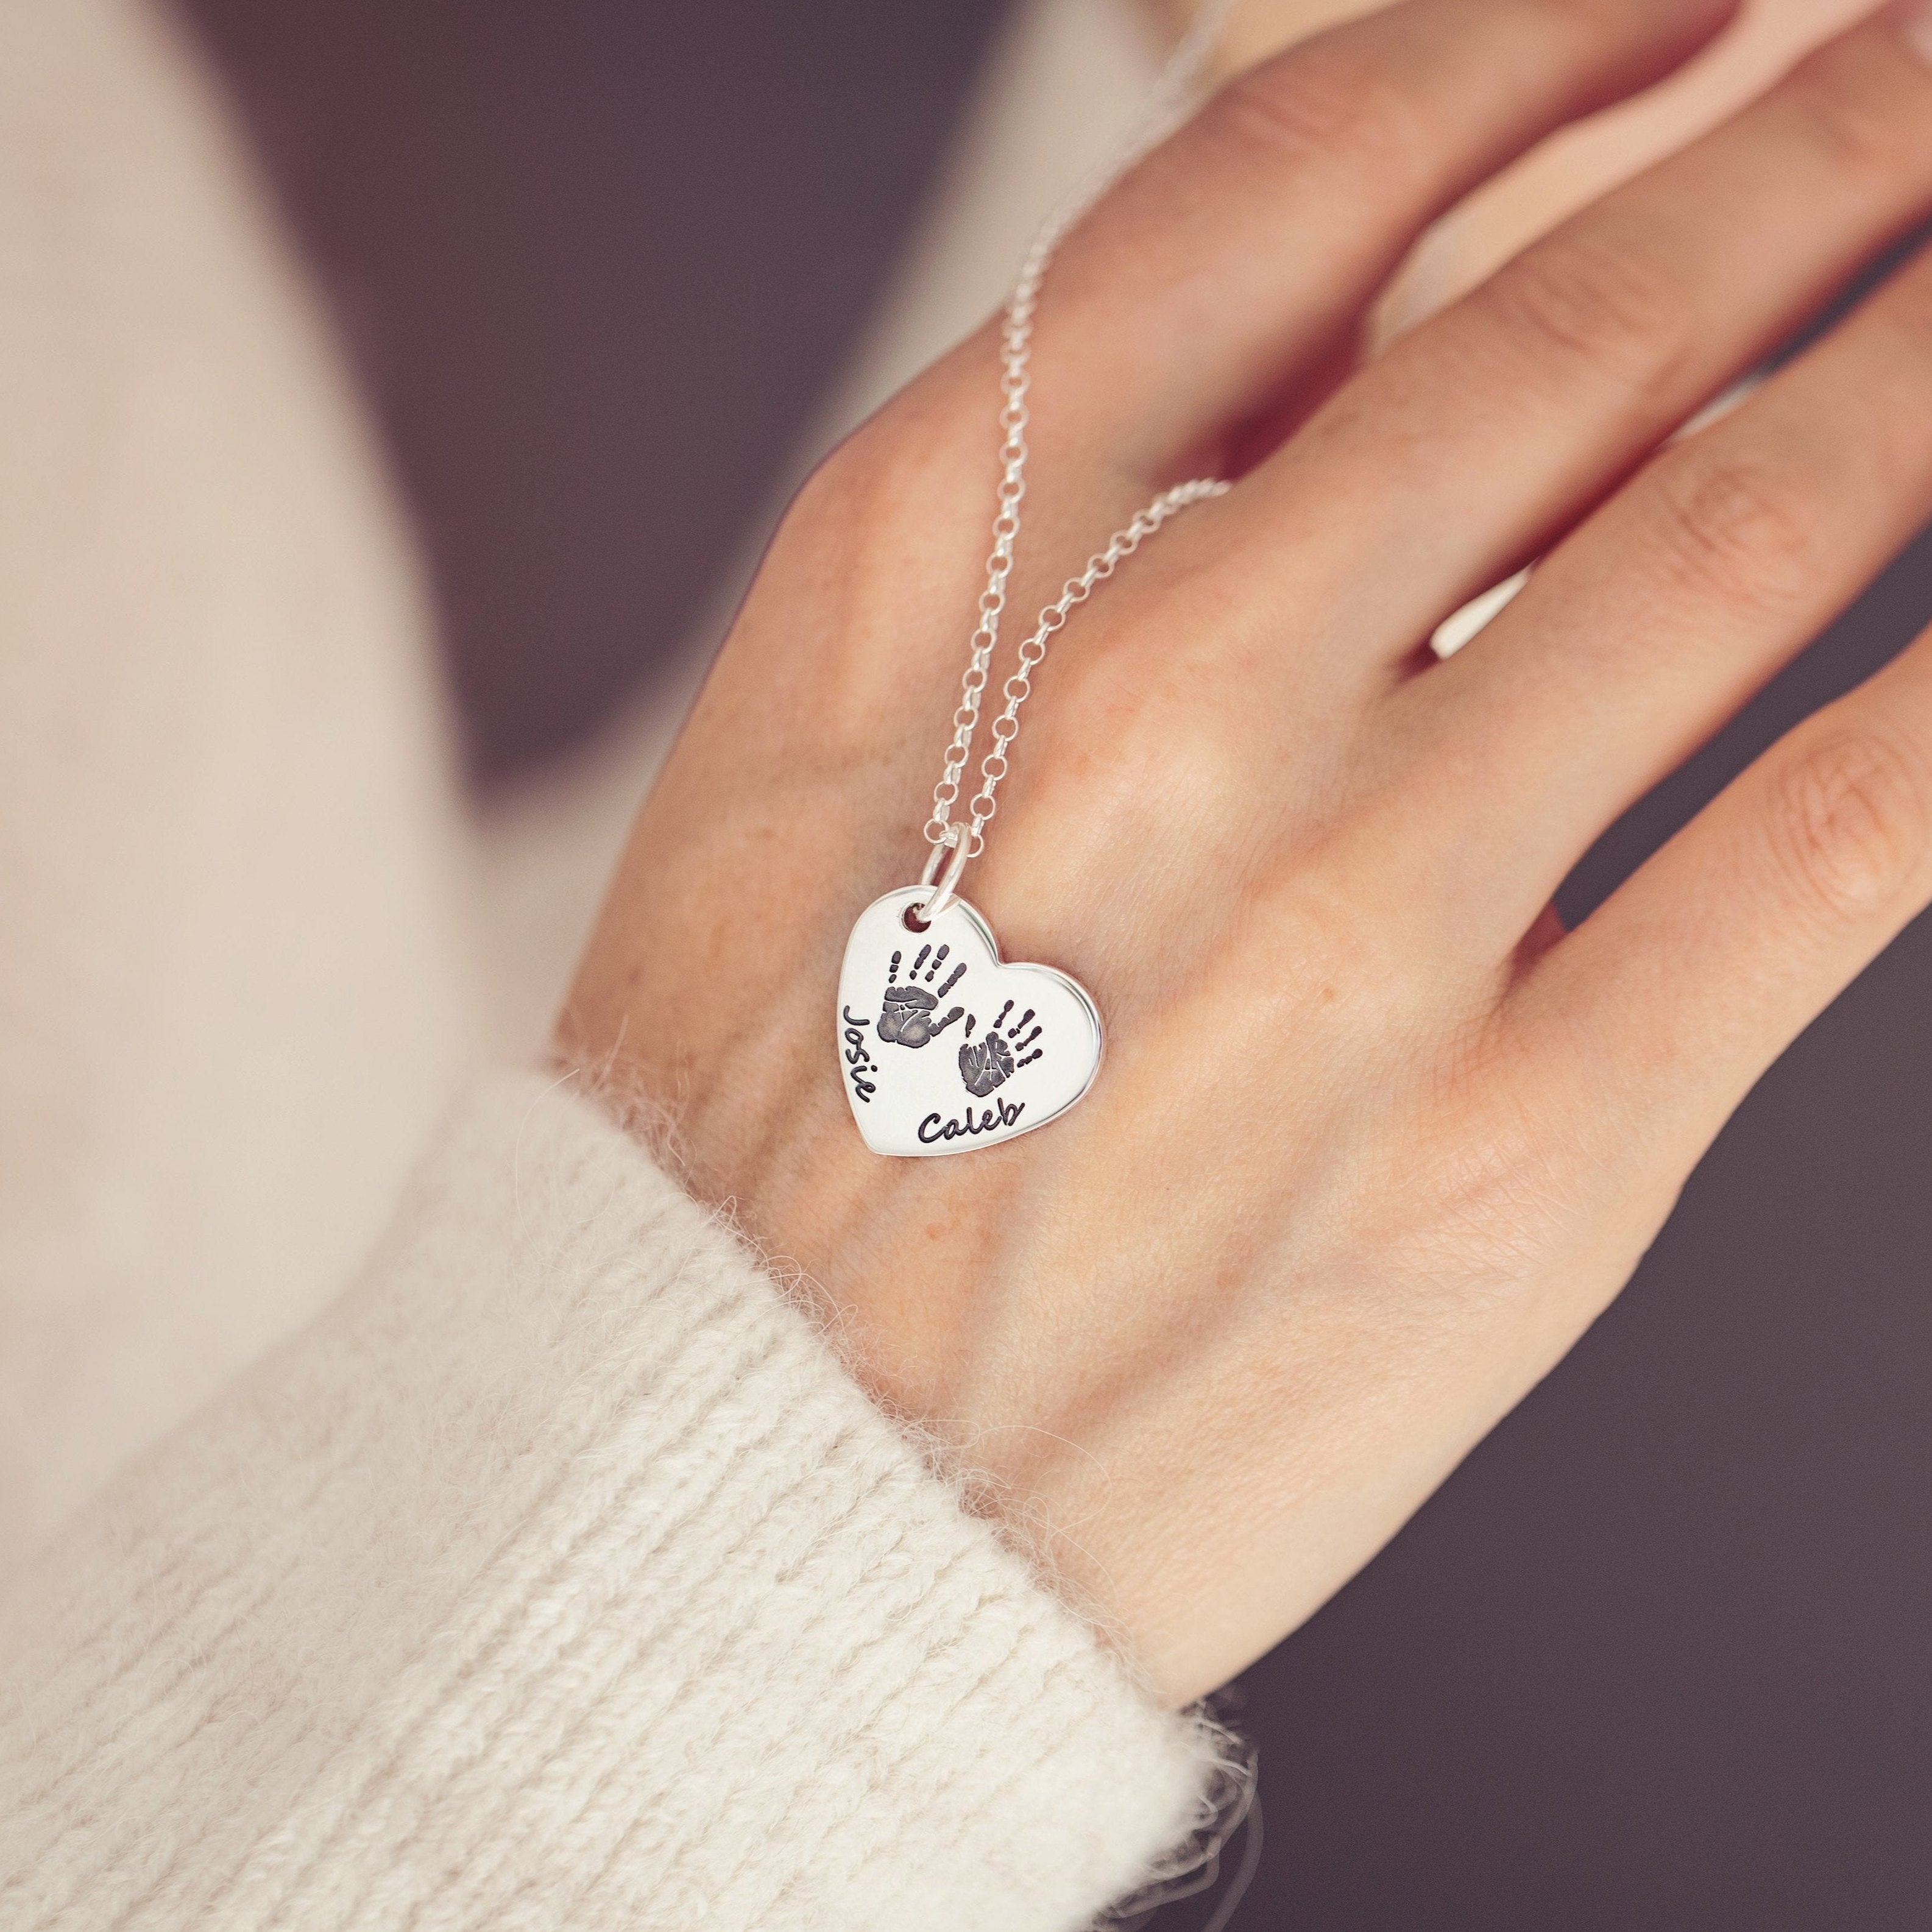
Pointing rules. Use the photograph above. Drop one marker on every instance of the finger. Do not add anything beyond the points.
(1236, 253)
(1677, 992)
(1483, 434)
(1637, 637)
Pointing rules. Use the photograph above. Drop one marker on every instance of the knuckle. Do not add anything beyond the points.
(1733, 528)
(1317, 105)
(1852, 820)
(1584, 303)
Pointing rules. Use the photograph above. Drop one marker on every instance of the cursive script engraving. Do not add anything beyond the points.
(932, 1129)
(858, 1058)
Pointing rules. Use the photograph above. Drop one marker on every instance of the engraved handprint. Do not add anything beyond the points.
(993, 1059)
(906, 1016)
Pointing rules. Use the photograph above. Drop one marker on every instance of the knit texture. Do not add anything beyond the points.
(558, 1576)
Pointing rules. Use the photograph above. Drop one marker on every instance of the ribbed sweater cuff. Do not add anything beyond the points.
(560, 1576)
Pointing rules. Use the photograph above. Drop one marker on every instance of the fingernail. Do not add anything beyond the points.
(1915, 21)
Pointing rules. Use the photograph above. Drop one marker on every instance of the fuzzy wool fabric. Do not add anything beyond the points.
(558, 1576)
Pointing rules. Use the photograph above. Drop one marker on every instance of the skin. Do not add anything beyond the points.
(1375, 1141)
(1529, 197)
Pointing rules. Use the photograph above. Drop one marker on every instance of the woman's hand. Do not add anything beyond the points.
(1374, 1140)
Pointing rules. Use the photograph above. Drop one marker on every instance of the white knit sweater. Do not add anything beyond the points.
(558, 1576)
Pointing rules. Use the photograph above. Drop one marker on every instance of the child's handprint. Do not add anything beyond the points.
(906, 1016)
(993, 1059)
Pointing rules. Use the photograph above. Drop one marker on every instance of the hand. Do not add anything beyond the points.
(1374, 1140)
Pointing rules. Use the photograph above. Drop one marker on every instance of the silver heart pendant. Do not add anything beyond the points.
(943, 1046)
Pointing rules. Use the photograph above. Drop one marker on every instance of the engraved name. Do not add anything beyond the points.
(858, 1060)
(932, 1128)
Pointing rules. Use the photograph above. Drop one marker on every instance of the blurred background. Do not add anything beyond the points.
(612, 275)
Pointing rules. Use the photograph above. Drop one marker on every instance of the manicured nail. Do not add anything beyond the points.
(1915, 21)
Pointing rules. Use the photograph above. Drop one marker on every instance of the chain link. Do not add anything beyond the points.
(1015, 380)
(1164, 108)
(1019, 687)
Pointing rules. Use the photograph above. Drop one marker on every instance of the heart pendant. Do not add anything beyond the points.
(944, 1047)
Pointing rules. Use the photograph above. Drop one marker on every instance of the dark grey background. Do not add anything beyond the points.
(598, 260)
(1656, 1657)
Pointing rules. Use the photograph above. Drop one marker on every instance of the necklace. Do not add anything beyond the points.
(944, 1046)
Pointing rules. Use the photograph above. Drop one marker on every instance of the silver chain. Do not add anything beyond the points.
(1164, 107)
(1101, 566)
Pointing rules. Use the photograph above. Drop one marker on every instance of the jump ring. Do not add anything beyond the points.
(957, 846)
